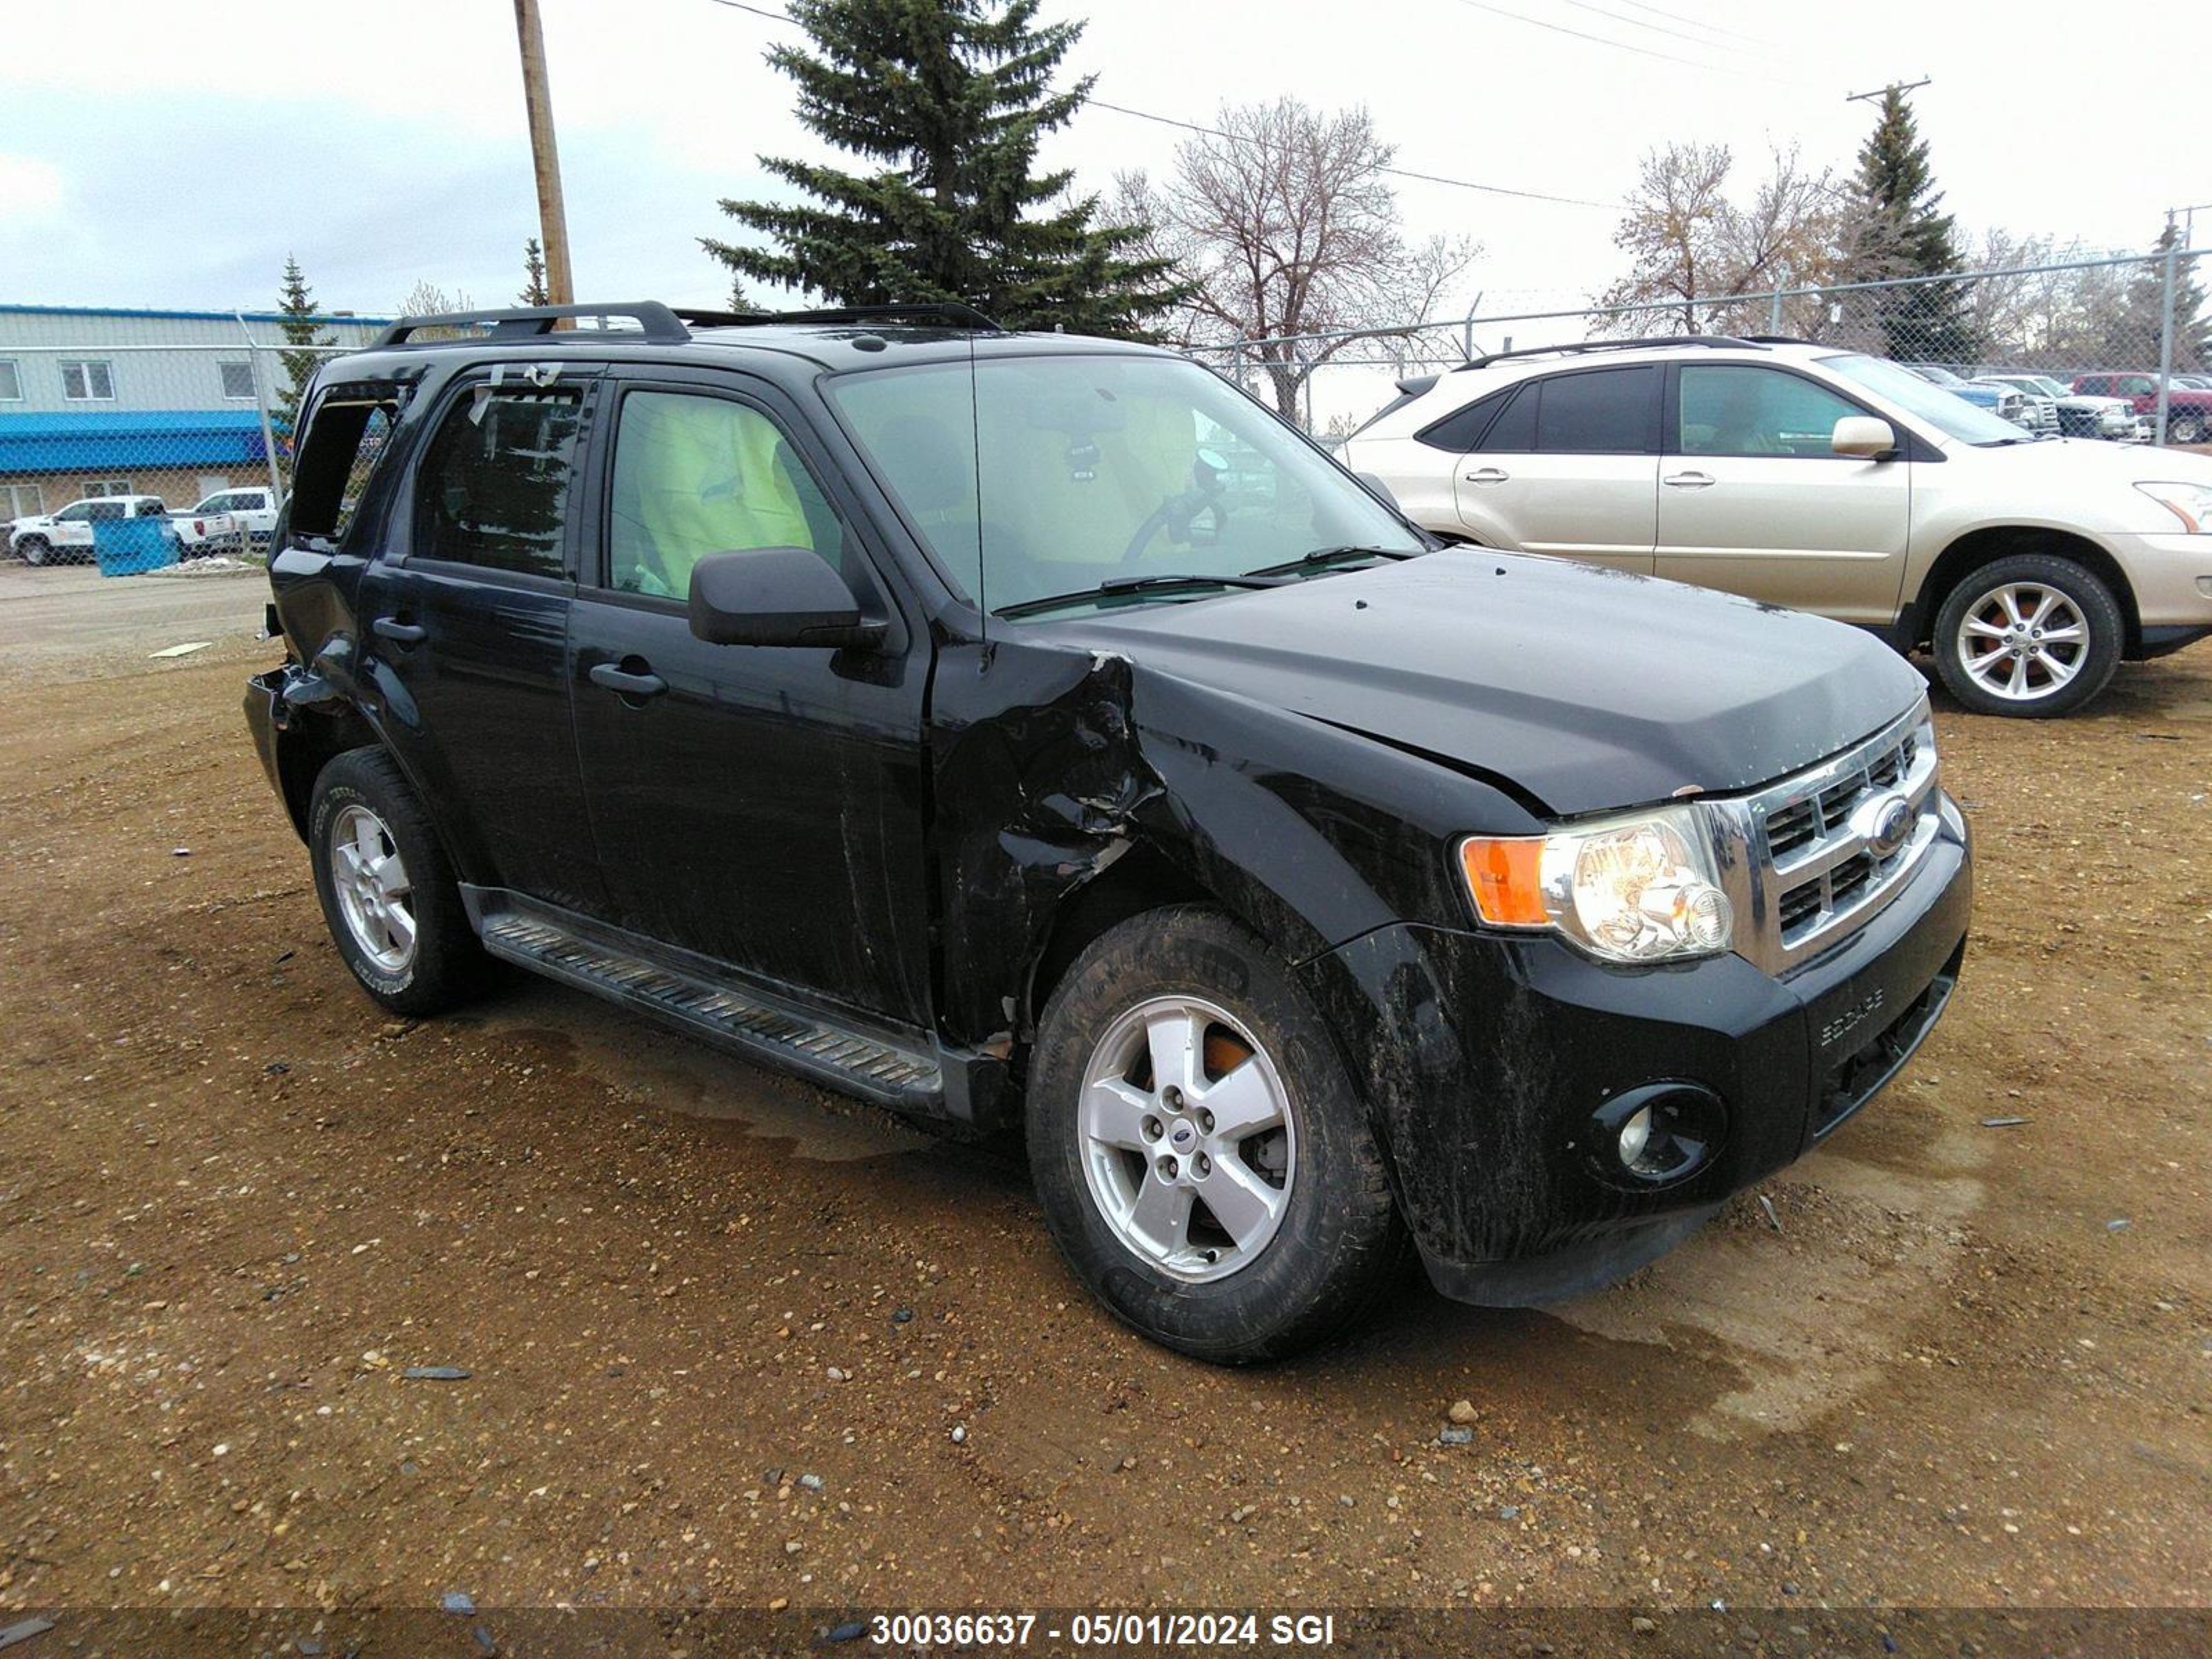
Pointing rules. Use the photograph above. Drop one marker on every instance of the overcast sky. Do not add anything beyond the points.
(178, 163)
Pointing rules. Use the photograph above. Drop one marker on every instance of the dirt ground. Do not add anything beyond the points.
(730, 1341)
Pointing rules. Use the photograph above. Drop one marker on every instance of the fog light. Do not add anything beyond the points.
(1658, 1134)
(1635, 1137)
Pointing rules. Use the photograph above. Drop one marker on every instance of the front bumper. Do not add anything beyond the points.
(1487, 1058)
(2171, 576)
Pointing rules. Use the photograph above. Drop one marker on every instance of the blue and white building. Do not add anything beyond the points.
(96, 402)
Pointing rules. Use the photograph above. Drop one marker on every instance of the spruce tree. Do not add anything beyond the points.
(949, 98)
(1902, 232)
(2193, 328)
(297, 315)
(533, 275)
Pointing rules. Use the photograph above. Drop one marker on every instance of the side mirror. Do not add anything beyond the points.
(775, 596)
(1864, 436)
(1373, 486)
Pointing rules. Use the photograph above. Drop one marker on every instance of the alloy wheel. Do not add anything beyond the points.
(2022, 641)
(1189, 1147)
(374, 893)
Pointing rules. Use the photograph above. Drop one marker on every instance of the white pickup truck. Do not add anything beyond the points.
(230, 520)
(59, 537)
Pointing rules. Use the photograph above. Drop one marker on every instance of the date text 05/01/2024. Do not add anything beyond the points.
(1119, 1629)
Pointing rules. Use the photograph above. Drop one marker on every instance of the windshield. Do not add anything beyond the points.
(1951, 415)
(1100, 468)
(2049, 387)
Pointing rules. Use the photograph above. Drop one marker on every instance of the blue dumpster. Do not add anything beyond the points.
(127, 547)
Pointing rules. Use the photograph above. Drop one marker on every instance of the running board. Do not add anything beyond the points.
(770, 1031)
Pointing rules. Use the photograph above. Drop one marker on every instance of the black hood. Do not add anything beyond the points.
(1587, 688)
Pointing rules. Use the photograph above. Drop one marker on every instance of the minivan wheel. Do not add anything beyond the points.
(2184, 429)
(1203, 1161)
(387, 890)
(2031, 635)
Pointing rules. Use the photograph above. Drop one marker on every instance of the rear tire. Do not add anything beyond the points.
(1241, 1229)
(2031, 636)
(387, 889)
(2185, 429)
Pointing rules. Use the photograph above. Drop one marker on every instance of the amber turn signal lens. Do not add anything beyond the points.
(1505, 875)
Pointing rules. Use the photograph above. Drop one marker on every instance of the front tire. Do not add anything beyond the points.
(387, 888)
(2185, 429)
(35, 550)
(1205, 1165)
(2031, 636)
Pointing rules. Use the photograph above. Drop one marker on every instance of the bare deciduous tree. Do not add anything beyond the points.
(1693, 250)
(1285, 226)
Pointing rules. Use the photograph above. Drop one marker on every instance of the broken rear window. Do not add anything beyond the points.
(349, 434)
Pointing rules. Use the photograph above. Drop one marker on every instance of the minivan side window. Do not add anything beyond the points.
(492, 491)
(697, 475)
(1739, 409)
(1605, 411)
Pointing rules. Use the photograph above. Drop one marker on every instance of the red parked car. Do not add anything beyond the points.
(2188, 411)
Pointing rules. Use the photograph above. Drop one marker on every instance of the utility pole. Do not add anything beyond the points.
(552, 215)
(1899, 87)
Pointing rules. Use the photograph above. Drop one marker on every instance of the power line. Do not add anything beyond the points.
(1398, 173)
(1677, 17)
(1641, 52)
(1656, 28)
(1215, 132)
(1583, 34)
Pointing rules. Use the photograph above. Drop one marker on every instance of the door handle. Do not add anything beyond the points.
(399, 632)
(624, 683)
(1486, 475)
(1688, 480)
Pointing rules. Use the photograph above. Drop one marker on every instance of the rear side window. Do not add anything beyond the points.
(349, 434)
(1607, 411)
(1514, 431)
(493, 488)
(1463, 429)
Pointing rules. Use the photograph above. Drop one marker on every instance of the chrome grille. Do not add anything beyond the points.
(1808, 872)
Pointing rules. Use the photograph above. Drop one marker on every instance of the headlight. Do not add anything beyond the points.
(2192, 503)
(1642, 888)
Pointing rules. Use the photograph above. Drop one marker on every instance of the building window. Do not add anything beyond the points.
(21, 500)
(107, 487)
(237, 379)
(88, 382)
(11, 381)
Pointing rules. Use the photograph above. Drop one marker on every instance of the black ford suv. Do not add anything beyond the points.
(1034, 733)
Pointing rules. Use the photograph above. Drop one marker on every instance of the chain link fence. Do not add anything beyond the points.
(2117, 347)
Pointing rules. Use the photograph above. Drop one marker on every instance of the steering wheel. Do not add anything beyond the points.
(1179, 512)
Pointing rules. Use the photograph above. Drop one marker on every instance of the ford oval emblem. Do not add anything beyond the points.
(1885, 824)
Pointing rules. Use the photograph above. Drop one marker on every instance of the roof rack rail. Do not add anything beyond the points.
(1719, 341)
(658, 322)
(1779, 339)
(950, 312)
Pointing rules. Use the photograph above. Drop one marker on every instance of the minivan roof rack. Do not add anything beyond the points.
(655, 320)
(948, 312)
(1722, 342)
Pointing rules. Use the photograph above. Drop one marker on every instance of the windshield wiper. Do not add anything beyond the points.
(1113, 586)
(1322, 557)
